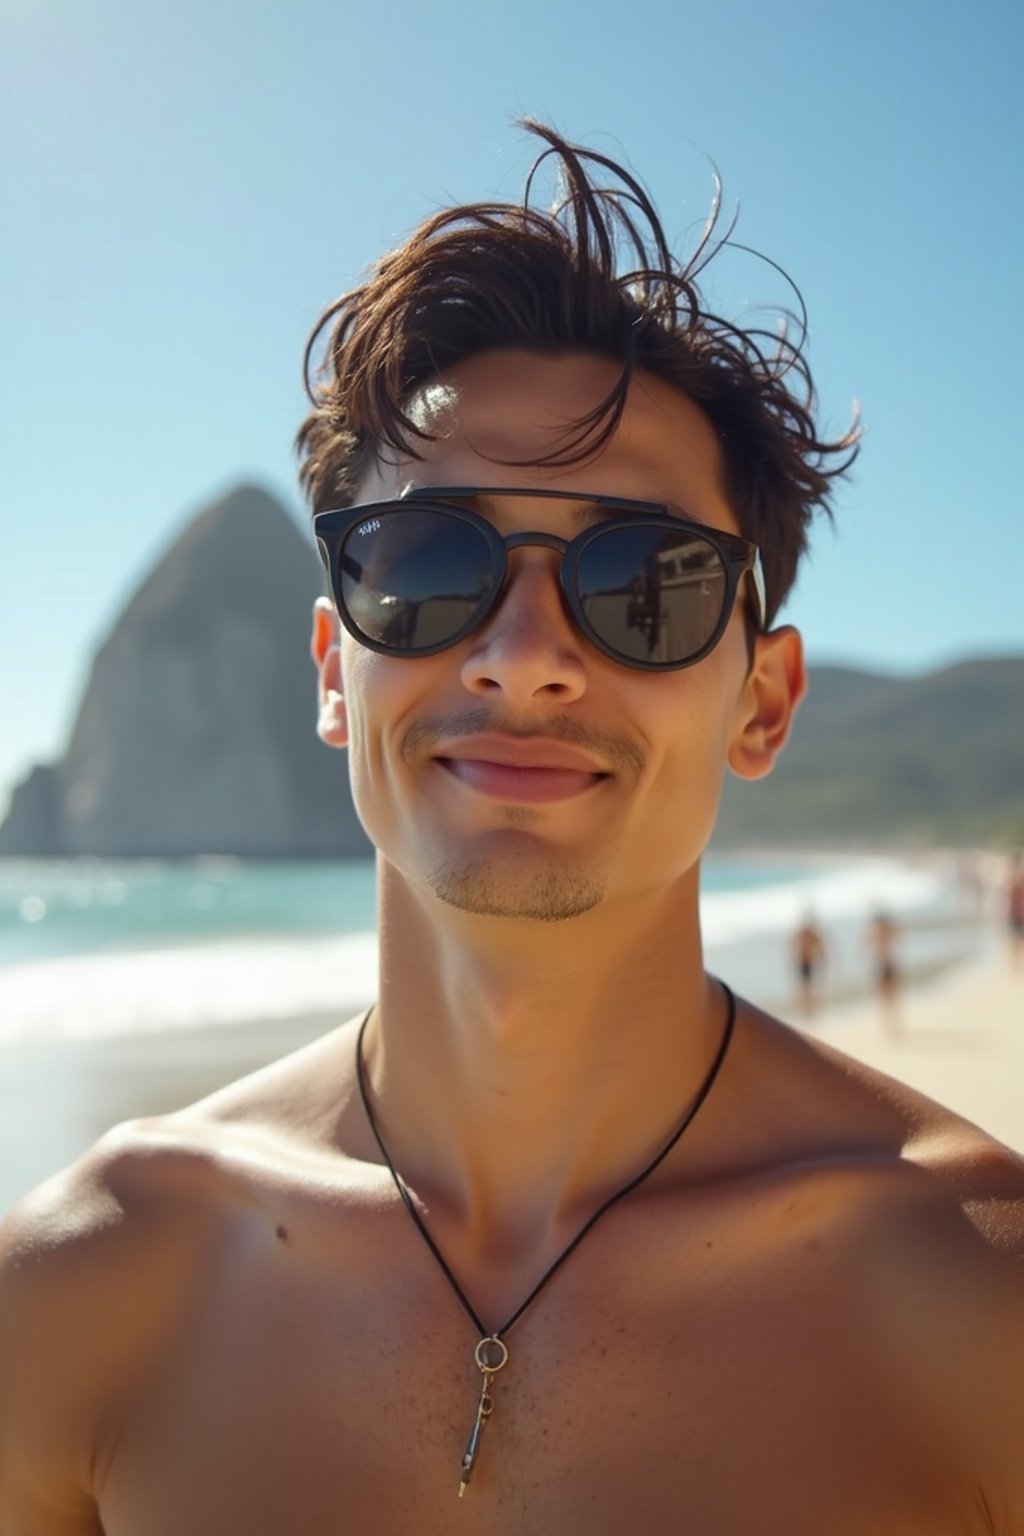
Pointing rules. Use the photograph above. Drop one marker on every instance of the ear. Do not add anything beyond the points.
(325, 646)
(774, 686)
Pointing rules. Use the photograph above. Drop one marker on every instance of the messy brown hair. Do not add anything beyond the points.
(487, 275)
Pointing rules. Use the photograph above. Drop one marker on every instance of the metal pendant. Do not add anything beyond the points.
(490, 1355)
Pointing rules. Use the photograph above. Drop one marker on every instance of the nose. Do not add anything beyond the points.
(528, 651)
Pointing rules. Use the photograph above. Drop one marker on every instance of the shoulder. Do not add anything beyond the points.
(916, 1217)
(91, 1264)
(927, 1208)
(949, 1273)
(104, 1250)
(890, 1150)
(103, 1223)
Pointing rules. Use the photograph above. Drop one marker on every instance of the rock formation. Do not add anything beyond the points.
(196, 731)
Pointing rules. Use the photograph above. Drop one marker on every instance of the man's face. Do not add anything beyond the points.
(522, 773)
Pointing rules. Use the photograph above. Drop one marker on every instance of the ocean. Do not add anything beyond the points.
(112, 948)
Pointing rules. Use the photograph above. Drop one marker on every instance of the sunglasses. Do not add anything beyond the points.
(416, 575)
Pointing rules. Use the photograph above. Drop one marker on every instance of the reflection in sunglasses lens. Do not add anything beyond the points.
(652, 594)
(414, 579)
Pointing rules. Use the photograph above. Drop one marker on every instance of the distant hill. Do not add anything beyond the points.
(195, 733)
(938, 758)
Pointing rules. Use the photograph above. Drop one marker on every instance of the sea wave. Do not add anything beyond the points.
(262, 977)
(146, 991)
(839, 892)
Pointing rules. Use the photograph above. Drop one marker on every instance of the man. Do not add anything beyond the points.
(559, 1227)
(809, 954)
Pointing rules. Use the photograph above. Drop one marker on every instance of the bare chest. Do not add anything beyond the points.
(643, 1389)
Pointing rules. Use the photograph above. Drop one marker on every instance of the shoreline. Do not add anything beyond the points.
(958, 1038)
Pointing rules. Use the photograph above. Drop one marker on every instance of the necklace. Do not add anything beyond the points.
(491, 1353)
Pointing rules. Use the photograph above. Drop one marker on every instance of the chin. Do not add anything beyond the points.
(491, 888)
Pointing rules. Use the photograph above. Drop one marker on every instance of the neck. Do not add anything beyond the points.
(521, 1072)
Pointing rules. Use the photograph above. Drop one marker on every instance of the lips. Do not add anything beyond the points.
(522, 770)
(525, 752)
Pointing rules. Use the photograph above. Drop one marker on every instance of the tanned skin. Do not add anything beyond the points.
(809, 1321)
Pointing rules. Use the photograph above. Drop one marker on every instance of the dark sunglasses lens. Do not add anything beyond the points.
(653, 595)
(413, 580)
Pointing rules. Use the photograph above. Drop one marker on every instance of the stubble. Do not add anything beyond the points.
(503, 888)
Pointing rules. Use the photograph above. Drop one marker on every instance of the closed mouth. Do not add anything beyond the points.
(527, 753)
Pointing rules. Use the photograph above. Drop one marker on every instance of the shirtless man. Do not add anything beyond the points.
(808, 1318)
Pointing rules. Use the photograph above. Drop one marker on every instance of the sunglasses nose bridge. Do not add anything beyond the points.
(540, 540)
(527, 540)
(533, 541)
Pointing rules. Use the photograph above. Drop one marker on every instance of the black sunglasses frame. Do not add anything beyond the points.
(738, 556)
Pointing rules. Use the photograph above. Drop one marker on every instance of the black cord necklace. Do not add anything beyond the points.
(491, 1353)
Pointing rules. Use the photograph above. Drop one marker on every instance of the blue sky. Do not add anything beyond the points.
(185, 186)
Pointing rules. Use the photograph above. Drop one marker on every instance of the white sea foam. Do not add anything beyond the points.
(238, 980)
(842, 891)
(230, 982)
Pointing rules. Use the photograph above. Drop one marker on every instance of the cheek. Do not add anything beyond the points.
(382, 698)
(378, 691)
(691, 721)
(357, 678)
(723, 679)
(369, 708)
(689, 728)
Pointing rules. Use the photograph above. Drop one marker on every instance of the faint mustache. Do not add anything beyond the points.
(621, 755)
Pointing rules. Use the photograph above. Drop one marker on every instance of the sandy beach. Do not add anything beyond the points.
(958, 1038)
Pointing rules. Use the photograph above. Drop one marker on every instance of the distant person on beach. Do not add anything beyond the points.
(1015, 909)
(882, 939)
(809, 956)
(970, 884)
(559, 1226)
